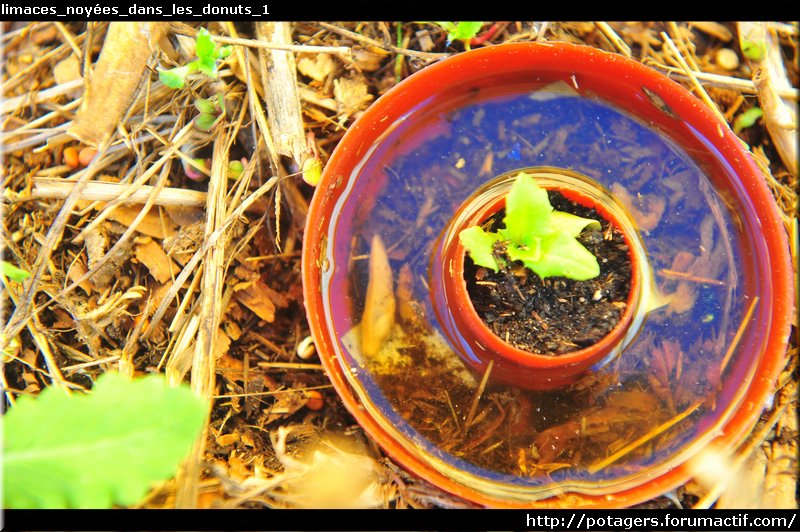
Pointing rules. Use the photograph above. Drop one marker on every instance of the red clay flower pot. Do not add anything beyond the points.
(512, 365)
(725, 352)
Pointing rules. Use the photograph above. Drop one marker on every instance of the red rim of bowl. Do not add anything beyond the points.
(564, 59)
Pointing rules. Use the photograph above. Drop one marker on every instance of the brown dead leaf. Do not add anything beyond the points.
(156, 261)
(224, 440)
(256, 296)
(379, 308)
(316, 66)
(351, 95)
(368, 60)
(153, 224)
(77, 270)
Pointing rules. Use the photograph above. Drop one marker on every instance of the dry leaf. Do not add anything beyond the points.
(317, 66)
(368, 60)
(256, 296)
(153, 224)
(379, 308)
(351, 95)
(156, 261)
(68, 70)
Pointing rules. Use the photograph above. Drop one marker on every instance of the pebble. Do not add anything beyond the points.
(727, 59)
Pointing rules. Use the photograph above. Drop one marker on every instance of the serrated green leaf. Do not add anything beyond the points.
(747, 119)
(464, 31)
(479, 244)
(563, 256)
(570, 224)
(108, 447)
(12, 272)
(174, 78)
(204, 45)
(527, 210)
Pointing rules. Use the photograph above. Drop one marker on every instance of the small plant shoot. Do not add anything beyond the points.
(207, 56)
(461, 31)
(537, 235)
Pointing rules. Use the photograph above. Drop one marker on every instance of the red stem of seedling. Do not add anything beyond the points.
(485, 36)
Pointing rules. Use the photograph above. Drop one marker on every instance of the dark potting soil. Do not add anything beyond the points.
(555, 315)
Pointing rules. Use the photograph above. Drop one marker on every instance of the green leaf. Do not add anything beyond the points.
(754, 51)
(204, 122)
(747, 119)
(205, 106)
(463, 31)
(527, 210)
(564, 222)
(563, 256)
(224, 51)
(204, 45)
(479, 244)
(12, 272)
(174, 78)
(108, 447)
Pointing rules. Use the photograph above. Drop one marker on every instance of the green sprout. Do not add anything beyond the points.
(543, 239)
(207, 56)
(754, 50)
(12, 272)
(210, 112)
(461, 31)
(747, 119)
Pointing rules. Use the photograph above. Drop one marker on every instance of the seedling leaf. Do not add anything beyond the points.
(480, 244)
(174, 78)
(755, 51)
(747, 119)
(104, 448)
(528, 210)
(12, 272)
(204, 45)
(205, 106)
(564, 222)
(204, 122)
(563, 256)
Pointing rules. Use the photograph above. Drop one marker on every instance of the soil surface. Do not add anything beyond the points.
(555, 315)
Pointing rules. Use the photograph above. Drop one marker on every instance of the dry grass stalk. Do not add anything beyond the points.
(386, 46)
(116, 79)
(594, 468)
(738, 336)
(279, 74)
(770, 78)
(691, 74)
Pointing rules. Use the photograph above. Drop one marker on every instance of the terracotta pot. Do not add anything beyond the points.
(765, 285)
(510, 364)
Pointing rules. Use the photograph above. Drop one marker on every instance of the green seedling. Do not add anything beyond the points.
(97, 450)
(755, 51)
(543, 239)
(12, 272)
(210, 113)
(461, 31)
(747, 119)
(208, 54)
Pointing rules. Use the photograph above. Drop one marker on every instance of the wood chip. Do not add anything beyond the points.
(379, 308)
(153, 224)
(152, 255)
(256, 296)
